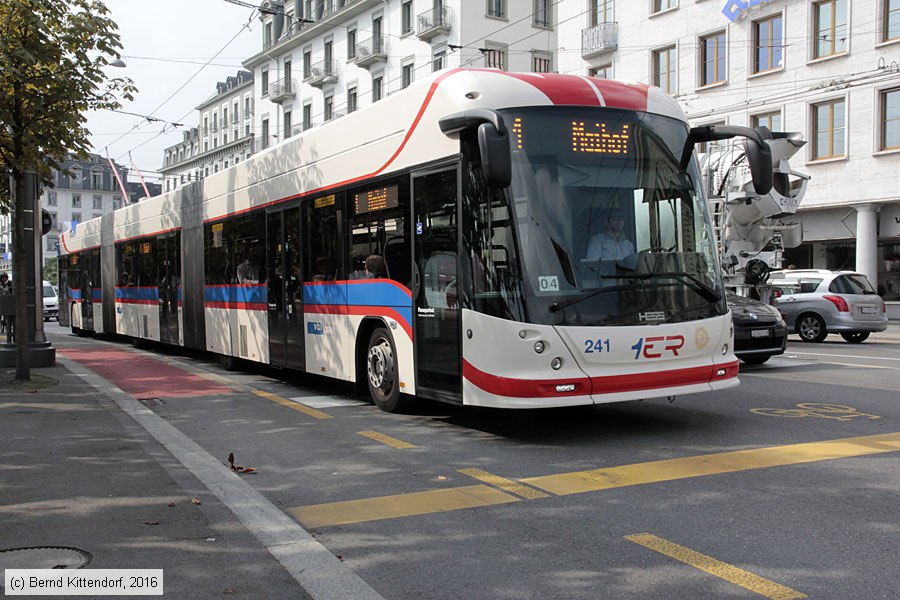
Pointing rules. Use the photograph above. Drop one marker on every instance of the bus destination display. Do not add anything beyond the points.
(586, 136)
(377, 199)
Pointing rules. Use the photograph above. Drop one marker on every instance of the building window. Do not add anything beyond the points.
(661, 5)
(224, 137)
(406, 17)
(234, 112)
(541, 14)
(601, 71)
(890, 119)
(51, 198)
(307, 64)
(264, 81)
(713, 62)
(225, 116)
(495, 58)
(496, 8)
(767, 44)
(329, 57)
(329, 107)
(439, 61)
(76, 217)
(53, 243)
(287, 124)
(770, 120)
(76, 200)
(830, 27)
(665, 69)
(541, 62)
(247, 111)
(307, 116)
(829, 125)
(96, 180)
(891, 21)
(351, 44)
(265, 133)
(406, 74)
(377, 84)
(98, 201)
(351, 99)
(601, 12)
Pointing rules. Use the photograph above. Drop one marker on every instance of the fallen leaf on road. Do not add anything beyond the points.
(171, 504)
(196, 501)
(441, 478)
(151, 522)
(228, 591)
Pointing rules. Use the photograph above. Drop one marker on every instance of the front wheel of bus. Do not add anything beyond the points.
(381, 371)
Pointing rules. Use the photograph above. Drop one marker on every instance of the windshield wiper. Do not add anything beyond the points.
(695, 284)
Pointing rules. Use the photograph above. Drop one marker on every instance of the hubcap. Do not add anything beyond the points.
(381, 365)
(809, 328)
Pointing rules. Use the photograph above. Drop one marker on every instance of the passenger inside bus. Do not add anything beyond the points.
(324, 269)
(375, 267)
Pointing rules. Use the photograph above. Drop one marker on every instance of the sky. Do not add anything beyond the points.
(165, 44)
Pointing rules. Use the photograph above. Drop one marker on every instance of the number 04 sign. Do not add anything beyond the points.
(549, 283)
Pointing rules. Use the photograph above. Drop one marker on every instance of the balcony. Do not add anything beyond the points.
(322, 73)
(371, 51)
(283, 89)
(434, 22)
(599, 39)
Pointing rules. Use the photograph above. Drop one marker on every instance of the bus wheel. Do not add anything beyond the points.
(381, 371)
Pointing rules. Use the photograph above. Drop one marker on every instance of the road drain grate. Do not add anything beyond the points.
(43, 557)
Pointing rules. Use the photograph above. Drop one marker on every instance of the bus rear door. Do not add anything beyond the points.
(285, 289)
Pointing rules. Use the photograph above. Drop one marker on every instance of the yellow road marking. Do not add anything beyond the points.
(385, 439)
(745, 579)
(420, 503)
(403, 505)
(291, 404)
(505, 484)
(713, 464)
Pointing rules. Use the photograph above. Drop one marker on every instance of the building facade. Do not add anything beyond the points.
(320, 59)
(826, 68)
(223, 137)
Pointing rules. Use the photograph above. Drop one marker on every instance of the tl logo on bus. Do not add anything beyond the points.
(658, 346)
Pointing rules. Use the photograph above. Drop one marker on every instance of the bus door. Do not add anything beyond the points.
(168, 255)
(285, 289)
(437, 318)
(89, 277)
(62, 270)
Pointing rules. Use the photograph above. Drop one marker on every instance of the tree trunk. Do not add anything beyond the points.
(20, 240)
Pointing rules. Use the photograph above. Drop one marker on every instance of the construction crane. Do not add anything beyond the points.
(753, 229)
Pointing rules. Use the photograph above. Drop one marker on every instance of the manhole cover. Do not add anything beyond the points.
(44, 557)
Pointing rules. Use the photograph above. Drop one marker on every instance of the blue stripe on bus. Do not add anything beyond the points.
(137, 293)
(236, 293)
(362, 293)
(74, 294)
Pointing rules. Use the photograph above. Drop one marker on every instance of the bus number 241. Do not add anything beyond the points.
(592, 346)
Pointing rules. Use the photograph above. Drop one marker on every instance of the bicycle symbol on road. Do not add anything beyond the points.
(838, 412)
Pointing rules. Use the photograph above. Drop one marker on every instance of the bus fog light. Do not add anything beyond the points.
(539, 347)
(724, 349)
(566, 387)
(556, 364)
(720, 372)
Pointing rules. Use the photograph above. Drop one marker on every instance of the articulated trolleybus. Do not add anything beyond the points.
(481, 237)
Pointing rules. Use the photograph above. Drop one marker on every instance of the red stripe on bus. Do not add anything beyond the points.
(135, 301)
(605, 384)
(237, 305)
(365, 311)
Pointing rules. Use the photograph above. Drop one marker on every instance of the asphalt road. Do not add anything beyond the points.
(785, 487)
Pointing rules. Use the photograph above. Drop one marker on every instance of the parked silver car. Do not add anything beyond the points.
(818, 302)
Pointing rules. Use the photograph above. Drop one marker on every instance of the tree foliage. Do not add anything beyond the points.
(52, 59)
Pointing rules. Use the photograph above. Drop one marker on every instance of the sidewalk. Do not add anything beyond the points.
(77, 472)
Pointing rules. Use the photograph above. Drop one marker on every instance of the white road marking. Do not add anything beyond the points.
(326, 401)
(844, 356)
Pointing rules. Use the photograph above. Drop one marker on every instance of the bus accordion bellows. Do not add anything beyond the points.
(481, 237)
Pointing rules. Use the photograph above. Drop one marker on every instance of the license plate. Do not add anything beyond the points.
(868, 310)
(761, 333)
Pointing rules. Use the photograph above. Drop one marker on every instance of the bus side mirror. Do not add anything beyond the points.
(493, 142)
(759, 155)
(496, 158)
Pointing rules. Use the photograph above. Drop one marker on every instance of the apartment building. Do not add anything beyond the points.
(320, 59)
(827, 68)
(224, 135)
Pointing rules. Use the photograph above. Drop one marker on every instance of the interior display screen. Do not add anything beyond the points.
(377, 199)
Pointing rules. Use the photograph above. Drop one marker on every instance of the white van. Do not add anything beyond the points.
(51, 302)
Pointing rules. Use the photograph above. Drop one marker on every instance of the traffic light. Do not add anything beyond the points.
(46, 221)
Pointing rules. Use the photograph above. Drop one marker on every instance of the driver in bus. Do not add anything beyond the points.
(612, 243)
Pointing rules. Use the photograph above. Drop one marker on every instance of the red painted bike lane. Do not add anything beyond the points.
(142, 376)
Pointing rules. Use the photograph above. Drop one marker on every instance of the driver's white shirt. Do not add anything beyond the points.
(604, 245)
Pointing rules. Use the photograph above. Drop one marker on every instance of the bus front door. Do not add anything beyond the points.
(285, 289)
(437, 318)
(169, 264)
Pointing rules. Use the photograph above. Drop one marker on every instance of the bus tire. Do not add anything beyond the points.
(381, 371)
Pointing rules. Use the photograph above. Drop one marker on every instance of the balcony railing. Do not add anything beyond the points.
(434, 22)
(601, 38)
(371, 51)
(322, 73)
(283, 89)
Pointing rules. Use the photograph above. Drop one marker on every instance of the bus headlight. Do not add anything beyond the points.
(556, 364)
(539, 347)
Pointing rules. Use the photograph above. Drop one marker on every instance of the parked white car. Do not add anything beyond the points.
(818, 302)
(51, 302)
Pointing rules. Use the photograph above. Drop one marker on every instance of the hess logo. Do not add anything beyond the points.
(658, 346)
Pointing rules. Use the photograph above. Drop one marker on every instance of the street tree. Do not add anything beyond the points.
(52, 59)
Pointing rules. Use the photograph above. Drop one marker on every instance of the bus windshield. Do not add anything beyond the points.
(611, 230)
